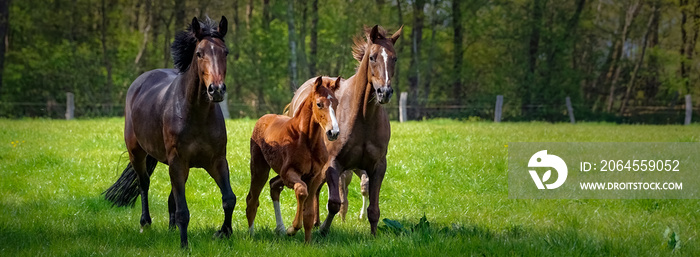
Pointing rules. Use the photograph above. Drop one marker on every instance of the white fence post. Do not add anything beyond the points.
(688, 109)
(224, 107)
(402, 106)
(70, 105)
(499, 108)
(570, 110)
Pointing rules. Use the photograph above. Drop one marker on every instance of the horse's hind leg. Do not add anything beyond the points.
(220, 174)
(345, 179)
(259, 172)
(138, 157)
(364, 189)
(276, 187)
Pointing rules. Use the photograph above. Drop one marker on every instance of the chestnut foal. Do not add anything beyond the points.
(295, 149)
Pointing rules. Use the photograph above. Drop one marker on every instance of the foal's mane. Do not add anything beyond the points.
(185, 43)
(361, 42)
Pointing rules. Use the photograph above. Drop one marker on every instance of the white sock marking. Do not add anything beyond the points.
(278, 217)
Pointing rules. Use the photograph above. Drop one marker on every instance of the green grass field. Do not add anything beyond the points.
(53, 171)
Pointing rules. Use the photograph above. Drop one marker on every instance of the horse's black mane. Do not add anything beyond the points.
(185, 42)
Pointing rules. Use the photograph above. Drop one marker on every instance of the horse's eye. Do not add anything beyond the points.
(319, 105)
(226, 52)
(199, 54)
(371, 58)
(396, 59)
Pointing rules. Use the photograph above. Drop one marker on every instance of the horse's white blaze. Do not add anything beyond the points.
(334, 121)
(386, 70)
(278, 217)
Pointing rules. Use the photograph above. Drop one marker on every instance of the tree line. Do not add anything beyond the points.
(613, 58)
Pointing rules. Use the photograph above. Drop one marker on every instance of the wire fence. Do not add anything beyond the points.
(476, 111)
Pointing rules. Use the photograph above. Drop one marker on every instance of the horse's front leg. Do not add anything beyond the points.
(309, 210)
(220, 173)
(332, 179)
(179, 171)
(292, 179)
(375, 183)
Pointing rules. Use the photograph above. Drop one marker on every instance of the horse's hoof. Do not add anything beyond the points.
(146, 226)
(291, 231)
(222, 234)
(280, 231)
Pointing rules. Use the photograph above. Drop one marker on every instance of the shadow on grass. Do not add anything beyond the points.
(97, 228)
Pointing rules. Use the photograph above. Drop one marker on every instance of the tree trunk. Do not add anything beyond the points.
(292, 46)
(249, 13)
(457, 41)
(633, 78)
(688, 47)
(301, 39)
(266, 15)
(180, 19)
(416, 36)
(631, 13)
(533, 51)
(4, 28)
(652, 81)
(313, 42)
(429, 63)
(556, 48)
(399, 48)
(107, 101)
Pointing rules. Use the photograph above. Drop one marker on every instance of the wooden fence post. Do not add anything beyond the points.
(688, 109)
(499, 108)
(224, 107)
(402, 106)
(570, 110)
(70, 106)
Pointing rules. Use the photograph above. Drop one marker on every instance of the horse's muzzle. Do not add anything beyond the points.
(332, 134)
(216, 92)
(384, 94)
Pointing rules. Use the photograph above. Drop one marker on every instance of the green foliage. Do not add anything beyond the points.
(57, 47)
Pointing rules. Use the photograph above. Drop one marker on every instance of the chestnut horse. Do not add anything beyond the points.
(295, 149)
(173, 117)
(364, 140)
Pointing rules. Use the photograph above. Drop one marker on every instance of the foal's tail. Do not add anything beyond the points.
(125, 191)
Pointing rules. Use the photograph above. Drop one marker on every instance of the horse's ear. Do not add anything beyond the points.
(374, 34)
(335, 85)
(318, 84)
(223, 26)
(396, 35)
(196, 29)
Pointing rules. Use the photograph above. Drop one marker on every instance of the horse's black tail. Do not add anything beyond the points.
(125, 191)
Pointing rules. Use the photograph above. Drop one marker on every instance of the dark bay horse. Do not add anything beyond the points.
(364, 139)
(173, 117)
(295, 149)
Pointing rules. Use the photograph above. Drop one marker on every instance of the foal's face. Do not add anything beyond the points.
(325, 104)
(211, 61)
(382, 61)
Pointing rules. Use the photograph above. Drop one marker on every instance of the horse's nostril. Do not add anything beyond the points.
(223, 87)
(211, 89)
